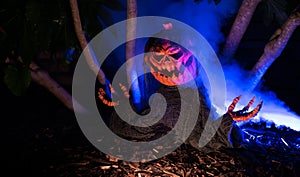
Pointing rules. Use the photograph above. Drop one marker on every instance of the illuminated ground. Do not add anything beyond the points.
(43, 139)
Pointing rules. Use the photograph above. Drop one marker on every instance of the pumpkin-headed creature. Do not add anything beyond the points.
(170, 63)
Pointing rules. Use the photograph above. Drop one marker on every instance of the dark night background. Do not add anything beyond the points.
(283, 77)
(37, 119)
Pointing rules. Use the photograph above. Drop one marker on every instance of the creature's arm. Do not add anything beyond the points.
(243, 115)
(229, 133)
(106, 99)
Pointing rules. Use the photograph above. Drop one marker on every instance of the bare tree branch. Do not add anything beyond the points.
(131, 27)
(130, 48)
(274, 48)
(87, 51)
(130, 33)
(42, 77)
(239, 27)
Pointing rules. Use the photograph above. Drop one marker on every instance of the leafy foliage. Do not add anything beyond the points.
(30, 27)
(17, 80)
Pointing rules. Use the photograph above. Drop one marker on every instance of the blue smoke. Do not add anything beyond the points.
(209, 19)
(274, 109)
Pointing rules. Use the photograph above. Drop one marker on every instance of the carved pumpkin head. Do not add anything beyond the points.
(169, 63)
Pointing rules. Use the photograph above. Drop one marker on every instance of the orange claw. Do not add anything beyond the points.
(249, 104)
(124, 89)
(242, 115)
(234, 102)
(249, 115)
(103, 96)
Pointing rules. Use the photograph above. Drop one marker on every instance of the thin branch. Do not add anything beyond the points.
(131, 27)
(87, 51)
(239, 27)
(42, 77)
(130, 48)
(130, 34)
(274, 48)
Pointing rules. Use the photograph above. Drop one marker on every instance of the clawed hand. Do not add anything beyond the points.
(243, 115)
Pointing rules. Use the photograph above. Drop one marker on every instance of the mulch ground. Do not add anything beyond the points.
(43, 139)
(66, 153)
(185, 161)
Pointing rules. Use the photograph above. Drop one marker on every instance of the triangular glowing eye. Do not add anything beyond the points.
(174, 49)
(157, 56)
(176, 56)
(159, 50)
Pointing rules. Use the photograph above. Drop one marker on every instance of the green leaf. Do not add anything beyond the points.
(17, 80)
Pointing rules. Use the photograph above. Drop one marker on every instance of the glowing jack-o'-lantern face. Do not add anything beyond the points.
(170, 63)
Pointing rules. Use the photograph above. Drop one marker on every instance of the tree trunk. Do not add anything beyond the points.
(87, 51)
(42, 77)
(130, 51)
(239, 27)
(274, 48)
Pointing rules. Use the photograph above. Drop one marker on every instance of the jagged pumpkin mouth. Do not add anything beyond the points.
(171, 72)
(173, 77)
